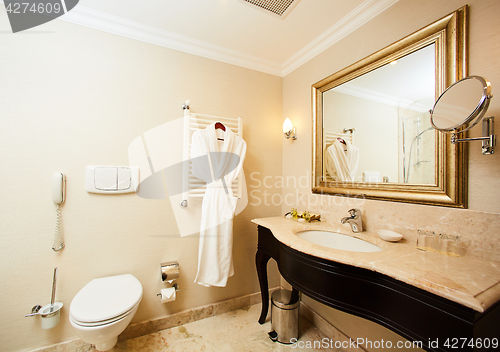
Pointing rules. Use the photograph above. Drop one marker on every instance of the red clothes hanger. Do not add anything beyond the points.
(219, 125)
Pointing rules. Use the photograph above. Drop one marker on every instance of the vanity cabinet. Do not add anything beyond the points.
(411, 312)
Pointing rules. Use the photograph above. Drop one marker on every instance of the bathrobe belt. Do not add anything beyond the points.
(217, 184)
(230, 201)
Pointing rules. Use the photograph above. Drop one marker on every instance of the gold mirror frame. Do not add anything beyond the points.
(450, 189)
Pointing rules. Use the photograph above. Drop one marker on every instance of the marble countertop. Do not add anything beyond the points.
(474, 283)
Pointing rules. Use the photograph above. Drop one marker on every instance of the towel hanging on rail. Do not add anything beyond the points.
(225, 161)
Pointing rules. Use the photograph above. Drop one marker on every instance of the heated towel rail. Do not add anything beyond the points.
(193, 187)
(331, 136)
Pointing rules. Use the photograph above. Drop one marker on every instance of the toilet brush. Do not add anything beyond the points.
(52, 298)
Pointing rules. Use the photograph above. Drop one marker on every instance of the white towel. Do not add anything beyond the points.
(371, 176)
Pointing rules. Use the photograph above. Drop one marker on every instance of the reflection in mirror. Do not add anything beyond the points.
(389, 108)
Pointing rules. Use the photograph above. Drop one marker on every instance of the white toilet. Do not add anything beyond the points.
(103, 309)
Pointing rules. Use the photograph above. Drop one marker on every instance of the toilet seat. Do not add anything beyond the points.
(106, 300)
(102, 322)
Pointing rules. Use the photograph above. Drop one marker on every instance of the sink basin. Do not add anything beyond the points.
(338, 241)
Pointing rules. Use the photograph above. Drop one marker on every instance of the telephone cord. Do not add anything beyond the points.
(58, 238)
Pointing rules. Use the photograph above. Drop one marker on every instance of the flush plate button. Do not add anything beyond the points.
(124, 178)
(111, 179)
(105, 178)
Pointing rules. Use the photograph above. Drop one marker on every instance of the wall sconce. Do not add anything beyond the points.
(289, 129)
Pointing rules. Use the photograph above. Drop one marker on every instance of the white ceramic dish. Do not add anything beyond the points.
(389, 236)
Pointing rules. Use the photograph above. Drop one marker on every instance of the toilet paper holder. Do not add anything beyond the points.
(177, 289)
(169, 271)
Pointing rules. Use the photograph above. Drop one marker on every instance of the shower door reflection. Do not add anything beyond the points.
(418, 148)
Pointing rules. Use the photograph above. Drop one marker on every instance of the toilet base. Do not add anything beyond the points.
(103, 337)
(107, 345)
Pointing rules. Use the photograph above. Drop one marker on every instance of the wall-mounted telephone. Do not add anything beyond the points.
(58, 188)
(58, 197)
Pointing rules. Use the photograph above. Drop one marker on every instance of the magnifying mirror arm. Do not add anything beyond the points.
(489, 139)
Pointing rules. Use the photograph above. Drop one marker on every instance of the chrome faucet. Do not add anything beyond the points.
(354, 220)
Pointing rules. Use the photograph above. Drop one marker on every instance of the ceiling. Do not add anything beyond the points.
(232, 31)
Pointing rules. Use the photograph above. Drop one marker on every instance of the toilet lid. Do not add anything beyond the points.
(106, 298)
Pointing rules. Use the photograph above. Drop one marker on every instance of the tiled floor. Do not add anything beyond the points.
(236, 331)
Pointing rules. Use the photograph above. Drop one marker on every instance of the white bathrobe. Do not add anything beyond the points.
(342, 165)
(225, 162)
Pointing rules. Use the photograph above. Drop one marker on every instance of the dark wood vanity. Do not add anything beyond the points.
(413, 313)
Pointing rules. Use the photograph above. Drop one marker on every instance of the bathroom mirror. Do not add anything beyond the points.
(373, 136)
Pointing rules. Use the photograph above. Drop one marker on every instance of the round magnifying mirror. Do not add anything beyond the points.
(461, 103)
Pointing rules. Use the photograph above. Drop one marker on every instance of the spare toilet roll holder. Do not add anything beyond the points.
(169, 271)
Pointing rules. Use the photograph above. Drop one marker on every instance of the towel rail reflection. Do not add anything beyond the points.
(192, 186)
(331, 136)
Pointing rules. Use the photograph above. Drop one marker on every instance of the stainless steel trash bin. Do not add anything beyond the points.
(284, 317)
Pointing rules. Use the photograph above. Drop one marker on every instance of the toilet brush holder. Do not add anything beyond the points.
(51, 315)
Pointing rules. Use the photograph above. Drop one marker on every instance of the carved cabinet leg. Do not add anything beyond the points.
(261, 260)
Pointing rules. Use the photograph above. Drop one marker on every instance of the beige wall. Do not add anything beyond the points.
(73, 96)
(403, 18)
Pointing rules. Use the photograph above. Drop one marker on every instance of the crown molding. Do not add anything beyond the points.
(129, 29)
(355, 19)
(378, 97)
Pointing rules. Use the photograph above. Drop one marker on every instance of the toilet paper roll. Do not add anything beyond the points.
(168, 295)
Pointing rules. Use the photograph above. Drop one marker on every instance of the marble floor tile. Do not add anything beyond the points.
(235, 331)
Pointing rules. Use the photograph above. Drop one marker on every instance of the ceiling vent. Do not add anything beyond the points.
(280, 8)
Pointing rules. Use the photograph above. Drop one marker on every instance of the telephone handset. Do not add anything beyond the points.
(58, 197)
(58, 188)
